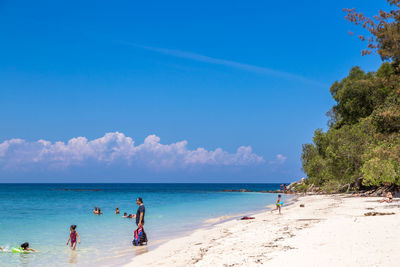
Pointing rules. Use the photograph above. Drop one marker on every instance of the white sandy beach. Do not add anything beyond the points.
(331, 230)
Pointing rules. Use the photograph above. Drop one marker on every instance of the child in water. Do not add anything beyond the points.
(73, 234)
(25, 247)
(278, 204)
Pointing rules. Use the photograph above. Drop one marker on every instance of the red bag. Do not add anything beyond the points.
(139, 237)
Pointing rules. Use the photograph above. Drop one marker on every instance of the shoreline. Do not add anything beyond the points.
(207, 224)
(323, 225)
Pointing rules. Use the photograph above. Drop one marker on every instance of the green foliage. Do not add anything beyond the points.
(379, 171)
(382, 163)
(362, 140)
(332, 186)
(359, 94)
(387, 120)
(300, 187)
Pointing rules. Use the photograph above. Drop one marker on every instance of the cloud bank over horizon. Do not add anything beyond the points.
(115, 150)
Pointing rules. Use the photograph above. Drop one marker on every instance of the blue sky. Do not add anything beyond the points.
(216, 74)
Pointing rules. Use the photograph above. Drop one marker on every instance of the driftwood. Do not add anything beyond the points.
(375, 213)
(344, 186)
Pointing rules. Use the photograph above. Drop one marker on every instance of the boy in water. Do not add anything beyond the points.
(278, 205)
(73, 234)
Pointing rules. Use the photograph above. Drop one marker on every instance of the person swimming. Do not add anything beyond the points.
(25, 247)
(125, 215)
(99, 212)
(96, 210)
(73, 234)
(116, 210)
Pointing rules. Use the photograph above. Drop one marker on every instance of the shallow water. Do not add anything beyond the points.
(42, 213)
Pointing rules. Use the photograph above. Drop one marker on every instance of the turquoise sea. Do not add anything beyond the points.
(42, 213)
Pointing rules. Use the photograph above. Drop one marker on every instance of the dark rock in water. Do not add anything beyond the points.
(301, 205)
(275, 191)
(248, 190)
(77, 190)
(240, 190)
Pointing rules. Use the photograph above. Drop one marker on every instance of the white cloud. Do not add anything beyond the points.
(279, 160)
(119, 150)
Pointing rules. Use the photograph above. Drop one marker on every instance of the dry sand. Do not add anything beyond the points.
(331, 230)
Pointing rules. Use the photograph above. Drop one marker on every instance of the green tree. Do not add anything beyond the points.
(366, 115)
(363, 139)
(382, 164)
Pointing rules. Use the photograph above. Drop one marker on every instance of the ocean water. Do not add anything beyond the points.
(41, 214)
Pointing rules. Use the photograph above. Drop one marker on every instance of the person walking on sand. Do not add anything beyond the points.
(278, 205)
(73, 234)
(140, 212)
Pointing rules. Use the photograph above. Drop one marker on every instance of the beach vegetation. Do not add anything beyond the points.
(303, 187)
(361, 147)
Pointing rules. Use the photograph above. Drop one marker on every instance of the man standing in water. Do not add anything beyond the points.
(140, 212)
(140, 236)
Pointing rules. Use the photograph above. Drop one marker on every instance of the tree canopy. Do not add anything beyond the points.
(362, 145)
